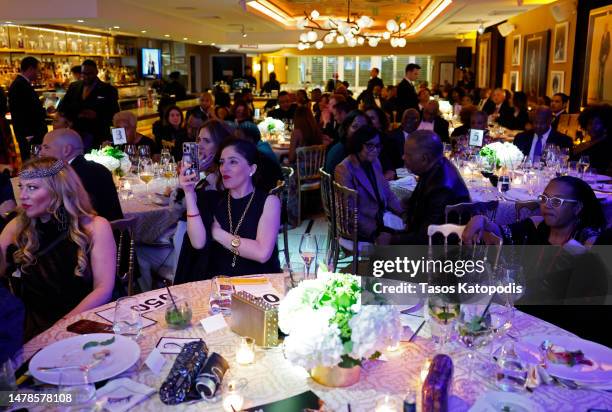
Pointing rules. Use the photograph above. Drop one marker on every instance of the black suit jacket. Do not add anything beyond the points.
(375, 81)
(515, 122)
(407, 97)
(98, 183)
(27, 113)
(441, 129)
(555, 121)
(441, 186)
(524, 140)
(393, 148)
(103, 100)
(488, 107)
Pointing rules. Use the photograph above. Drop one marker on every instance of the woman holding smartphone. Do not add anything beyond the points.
(238, 226)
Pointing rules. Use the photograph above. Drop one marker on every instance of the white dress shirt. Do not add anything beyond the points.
(426, 125)
(534, 141)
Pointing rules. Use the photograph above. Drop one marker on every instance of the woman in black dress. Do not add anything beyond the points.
(170, 130)
(64, 253)
(238, 227)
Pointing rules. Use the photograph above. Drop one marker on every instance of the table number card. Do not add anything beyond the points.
(119, 136)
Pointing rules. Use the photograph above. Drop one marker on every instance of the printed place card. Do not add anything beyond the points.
(155, 361)
(213, 323)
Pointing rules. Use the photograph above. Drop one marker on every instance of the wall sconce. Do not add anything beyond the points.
(270, 67)
(256, 67)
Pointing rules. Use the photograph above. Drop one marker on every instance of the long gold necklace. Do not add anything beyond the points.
(231, 225)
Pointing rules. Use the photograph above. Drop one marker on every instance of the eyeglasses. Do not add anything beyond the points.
(372, 146)
(555, 202)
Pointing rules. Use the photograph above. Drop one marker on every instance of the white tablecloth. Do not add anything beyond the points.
(273, 378)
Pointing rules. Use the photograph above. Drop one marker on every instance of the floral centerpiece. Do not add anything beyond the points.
(330, 332)
(112, 158)
(270, 126)
(502, 155)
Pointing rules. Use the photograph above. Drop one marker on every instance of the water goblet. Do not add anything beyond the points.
(77, 383)
(308, 251)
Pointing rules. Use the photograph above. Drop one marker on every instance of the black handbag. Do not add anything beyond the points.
(179, 386)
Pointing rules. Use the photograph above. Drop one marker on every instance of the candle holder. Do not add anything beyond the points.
(245, 351)
(233, 399)
(387, 404)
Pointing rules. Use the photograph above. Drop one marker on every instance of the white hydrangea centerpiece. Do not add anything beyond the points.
(503, 154)
(112, 158)
(327, 325)
(271, 125)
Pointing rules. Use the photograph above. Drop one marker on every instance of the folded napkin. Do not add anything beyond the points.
(518, 194)
(406, 182)
(122, 394)
(393, 221)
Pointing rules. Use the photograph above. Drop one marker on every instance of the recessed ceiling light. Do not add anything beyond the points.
(80, 21)
(212, 44)
(8, 22)
(200, 41)
(185, 38)
(166, 35)
(143, 31)
(116, 27)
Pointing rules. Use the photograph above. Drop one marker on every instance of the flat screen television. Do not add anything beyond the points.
(150, 67)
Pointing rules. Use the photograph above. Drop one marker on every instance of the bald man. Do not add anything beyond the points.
(533, 142)
(393, 146)
(440, 185)
(66, 144)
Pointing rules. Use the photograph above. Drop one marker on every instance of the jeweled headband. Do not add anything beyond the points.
(42, 172)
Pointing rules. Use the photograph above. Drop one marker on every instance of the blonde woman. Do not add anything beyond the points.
(63, 253)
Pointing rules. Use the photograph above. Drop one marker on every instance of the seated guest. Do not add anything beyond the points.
(64, 252)
(241, 113)
(12, 314)
(170, 130)
(432, 121)
(238, 226)
(333, 118)
(520, 115)
(60, 121)
(533, 142)
(424, 97)
(210, 137)
(394, 147)
(66, 145)
(371, 97)
(354, 120)
(268, 168)
(286, 110)
(498, 108)
(484, 99)
(465, 116)
(251, 132)
(558, 105)
(571, 216)
(319, 107)
(192, 128)
(380, 121)
(440, 185)
(467, 101)
(544, 101)
(305, 132)
(206, 108)
(361, 171)
(302, 98)
(128, 121)
(597, 122)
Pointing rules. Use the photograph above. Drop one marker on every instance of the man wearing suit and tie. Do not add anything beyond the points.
(91, 104)
(498, 108)
(406, 92)
(533, 142)
(27, 112)
(558, 105)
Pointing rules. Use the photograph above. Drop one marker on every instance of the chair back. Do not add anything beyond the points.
(531, 207)
(445, 230)
(346, 215)
(125, 227)
(465, 211)
(491, 239)
(309, 160)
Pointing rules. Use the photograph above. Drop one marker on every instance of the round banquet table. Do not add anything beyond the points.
(273, 378)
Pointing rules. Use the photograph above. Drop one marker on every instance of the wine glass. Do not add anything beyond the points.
(474, 329)
(144, 150)
(35, 150)
(447, 150)
(583, 165)
(308, 251)
(165, 156)
(169, 170)
(77, 382)
(146, 171)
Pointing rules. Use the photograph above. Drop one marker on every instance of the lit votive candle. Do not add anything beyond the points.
(245, 351)
(387, 404)
(393, 347)
(232, 402)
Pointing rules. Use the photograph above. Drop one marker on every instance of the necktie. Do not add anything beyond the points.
(537, 150)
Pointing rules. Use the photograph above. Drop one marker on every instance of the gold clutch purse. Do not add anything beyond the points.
(254, 317)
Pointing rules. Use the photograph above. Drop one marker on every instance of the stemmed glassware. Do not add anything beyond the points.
(146, 172)
(77, 383)
(35, 150)
(130, 150)
(583, 165)
(144, 151)
(442, 316)
(447, 150)
(308, 251)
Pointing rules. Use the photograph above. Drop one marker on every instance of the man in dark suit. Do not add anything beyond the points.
(374, 79)
(440, 185)
(558, 105)
(533, 142)
(498, 108)
(66, 145)
(90, 104)
(406, 92)
(27, 112)
(285, 110)
(393, 145)
(433, 121)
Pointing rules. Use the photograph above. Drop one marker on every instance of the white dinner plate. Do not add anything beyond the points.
(501, 401)
(602, 187)
(124, 353)
(591, 178)
(601, 356)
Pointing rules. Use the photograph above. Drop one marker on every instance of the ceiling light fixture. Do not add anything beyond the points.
(80, 21)
(270, 10)
(200, 41)
(116, 27)
(481, 28)
(185, 38)
(166, 35)
(143, 31)
(8, 22)
(243, 32)
(431, 12)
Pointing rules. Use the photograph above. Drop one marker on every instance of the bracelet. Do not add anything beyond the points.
(196, 215)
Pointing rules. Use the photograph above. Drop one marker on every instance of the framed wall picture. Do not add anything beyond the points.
(447, 73)
(557, 82)
(516, 50)
(484, 59)
(514, 81)
(535, 63)
(598, 67)
(560, 42)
